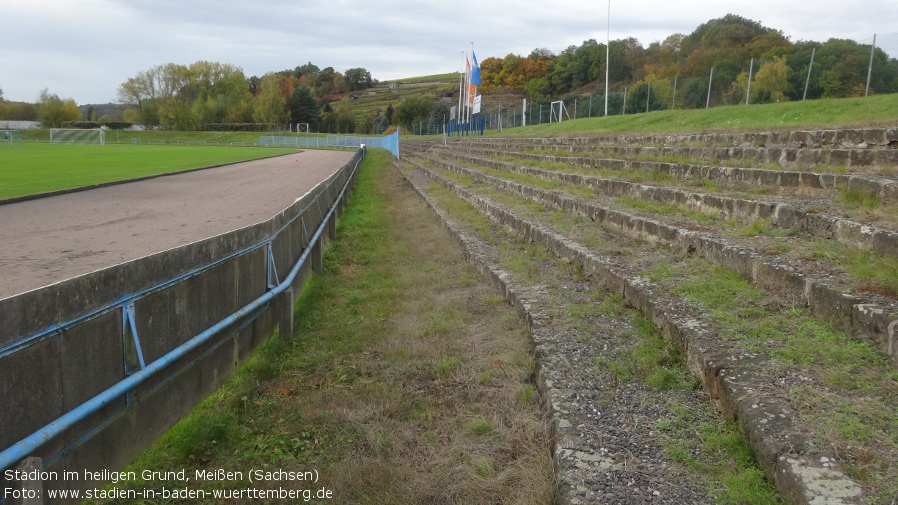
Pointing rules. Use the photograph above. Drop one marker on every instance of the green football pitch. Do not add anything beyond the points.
(28, 169)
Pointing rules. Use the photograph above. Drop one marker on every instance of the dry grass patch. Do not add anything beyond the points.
(407, 380)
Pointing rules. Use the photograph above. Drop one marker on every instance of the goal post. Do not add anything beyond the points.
(11, 137)
(77, 136)
(556, 111)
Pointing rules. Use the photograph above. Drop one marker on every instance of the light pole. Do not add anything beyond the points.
(607, 57)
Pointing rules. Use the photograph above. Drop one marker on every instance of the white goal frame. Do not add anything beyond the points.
(77, 136)
(560, 108)
(11, 137)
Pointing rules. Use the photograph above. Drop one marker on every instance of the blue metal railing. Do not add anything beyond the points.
(26, 446)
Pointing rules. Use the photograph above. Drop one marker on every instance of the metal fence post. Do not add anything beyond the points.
(808, 80)
(285, 318)
(710, 81)
(870, 68)
(751, 67)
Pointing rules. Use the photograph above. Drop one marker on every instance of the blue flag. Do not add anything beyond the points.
(475, 72)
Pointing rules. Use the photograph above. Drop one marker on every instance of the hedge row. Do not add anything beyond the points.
(241, 127)
(112, 125)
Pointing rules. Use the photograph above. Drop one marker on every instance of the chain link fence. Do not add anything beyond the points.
(836, 68)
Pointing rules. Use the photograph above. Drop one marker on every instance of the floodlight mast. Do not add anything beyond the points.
(607, 57)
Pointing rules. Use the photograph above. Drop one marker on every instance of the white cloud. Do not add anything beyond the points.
(83, 49)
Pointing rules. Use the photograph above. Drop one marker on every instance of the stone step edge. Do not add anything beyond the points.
(884, 189)
(782, 215)
(874, 322)
(882, 137)
(801, 478)
(859, 151)
(524, 301)
(782, 156)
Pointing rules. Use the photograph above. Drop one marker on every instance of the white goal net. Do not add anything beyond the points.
(77, 136)
(556, 111)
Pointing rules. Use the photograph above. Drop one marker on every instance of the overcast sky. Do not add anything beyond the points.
(84, 49)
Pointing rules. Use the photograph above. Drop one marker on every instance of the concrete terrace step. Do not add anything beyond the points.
(871, 148)
(788, 216)
(857, 138)
(870, 318)
(883, 188)
(795, 463)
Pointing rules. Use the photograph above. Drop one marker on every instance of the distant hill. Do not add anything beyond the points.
(107, 110)
(443, 88)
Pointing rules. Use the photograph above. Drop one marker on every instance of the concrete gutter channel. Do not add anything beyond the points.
(800, 471)
(871, 318)
(782, 215)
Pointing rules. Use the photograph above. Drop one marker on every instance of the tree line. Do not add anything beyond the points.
(189, 97)
(204, 93)
(684, 63)
(674, 73)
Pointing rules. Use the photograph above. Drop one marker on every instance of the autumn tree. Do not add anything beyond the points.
(308, 70)
(140, 92)
(412, 111)
(771, 82)
(341, 117)
(327, 85)
(270, 106)
(218, 92)
(357, 79)
(188, 96)
(54, 111)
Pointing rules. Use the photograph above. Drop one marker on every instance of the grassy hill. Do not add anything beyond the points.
(877, 110)
(374, 101)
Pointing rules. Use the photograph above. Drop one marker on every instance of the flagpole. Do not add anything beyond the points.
(467, 93)
(470, 86)
(461, 83)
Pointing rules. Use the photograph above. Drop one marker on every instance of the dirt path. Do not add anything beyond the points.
(52, 239)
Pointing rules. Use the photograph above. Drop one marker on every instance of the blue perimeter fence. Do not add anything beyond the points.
(388, 142)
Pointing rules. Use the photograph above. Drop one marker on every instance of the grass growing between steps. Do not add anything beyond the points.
(843, 389)
(695, 438)
(407, 379)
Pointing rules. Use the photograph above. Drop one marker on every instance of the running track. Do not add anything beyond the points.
(51, 239)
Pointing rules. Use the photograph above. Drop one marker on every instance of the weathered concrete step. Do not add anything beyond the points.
(850, 138)
(782, 215)
(796, 465)
(886, 190)
(868, 318)
(559, 379)
(782, 156)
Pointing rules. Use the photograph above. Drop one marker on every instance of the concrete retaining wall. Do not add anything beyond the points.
(63, 344)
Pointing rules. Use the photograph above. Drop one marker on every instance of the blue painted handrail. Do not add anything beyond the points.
(26, 446)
